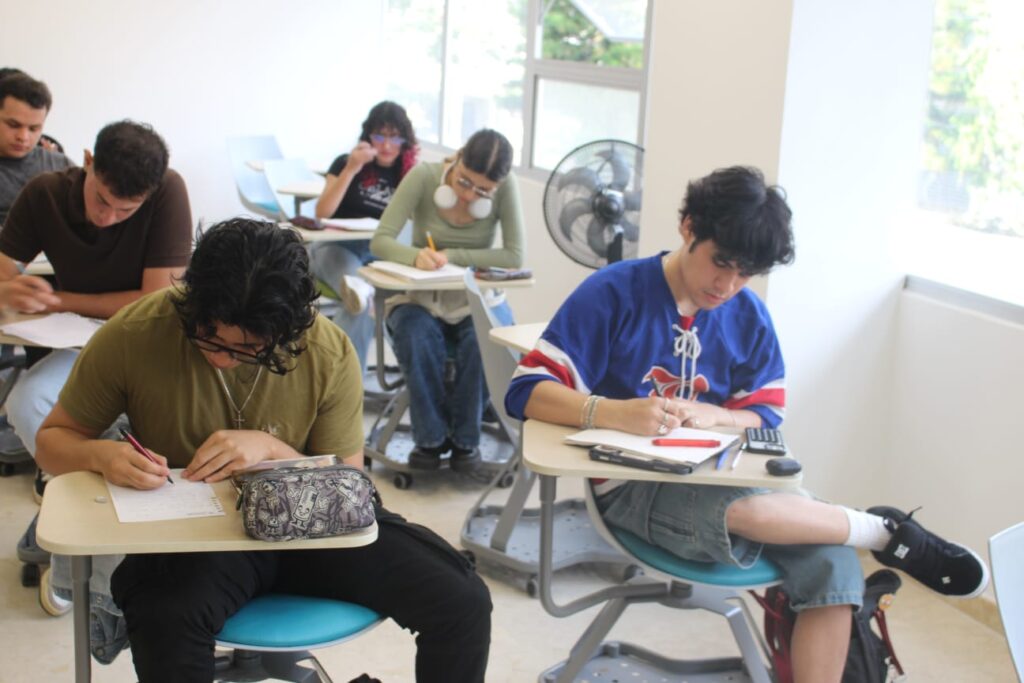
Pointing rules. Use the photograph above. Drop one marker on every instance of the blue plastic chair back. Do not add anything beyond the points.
(1006, 552)
(252, 185)
(282, 172)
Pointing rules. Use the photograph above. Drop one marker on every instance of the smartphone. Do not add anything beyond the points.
(617, 457)
(503, 273)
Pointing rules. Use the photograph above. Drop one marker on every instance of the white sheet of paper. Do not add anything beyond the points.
(181, 500)
(643, 445)
(446, 273)
(56, 331)
(367, 224)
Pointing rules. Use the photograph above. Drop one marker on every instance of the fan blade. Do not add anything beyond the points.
(598, 237)
(621, 172)
(631, 231)
(570, 212)
(631, 200)
(580, 176)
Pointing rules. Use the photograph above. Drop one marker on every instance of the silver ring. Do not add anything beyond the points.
(662, 429)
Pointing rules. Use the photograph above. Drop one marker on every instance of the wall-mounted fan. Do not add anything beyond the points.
(592, 202)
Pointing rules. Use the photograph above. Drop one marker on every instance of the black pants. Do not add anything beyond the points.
(175, 604)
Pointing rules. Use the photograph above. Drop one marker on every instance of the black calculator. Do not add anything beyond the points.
(765, 441)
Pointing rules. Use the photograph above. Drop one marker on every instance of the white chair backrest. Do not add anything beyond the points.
(499, 362)
(1006, 551)
(253, 189)
(282, 172)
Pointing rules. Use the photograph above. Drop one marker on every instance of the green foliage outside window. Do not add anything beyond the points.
(570, 36)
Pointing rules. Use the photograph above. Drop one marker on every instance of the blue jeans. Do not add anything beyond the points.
(688, 520)
(329, 262)
(35, 394)
(421, 343)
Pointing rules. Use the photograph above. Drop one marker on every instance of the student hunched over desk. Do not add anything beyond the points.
(648, 345)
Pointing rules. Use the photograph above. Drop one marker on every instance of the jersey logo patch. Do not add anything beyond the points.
(667, 384)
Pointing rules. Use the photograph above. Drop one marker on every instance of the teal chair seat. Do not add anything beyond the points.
(287, 622)
(764, 572)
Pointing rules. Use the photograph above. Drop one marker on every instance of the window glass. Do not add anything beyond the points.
(569, 114)
(486, 62)
(412, 61)
(603, 32)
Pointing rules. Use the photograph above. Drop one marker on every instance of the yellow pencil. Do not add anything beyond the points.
(430, 241)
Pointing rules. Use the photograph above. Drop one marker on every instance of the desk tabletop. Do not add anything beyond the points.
(303, 188)
(545, 452)
(78, 518)
(521, 338)
(381, 280)
(331, 234)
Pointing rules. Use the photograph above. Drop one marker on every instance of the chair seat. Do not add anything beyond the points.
(278, 621)
(763, 572)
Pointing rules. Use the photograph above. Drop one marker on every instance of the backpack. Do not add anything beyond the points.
(871, 657)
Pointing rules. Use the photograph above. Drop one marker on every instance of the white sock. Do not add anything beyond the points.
(866, 530)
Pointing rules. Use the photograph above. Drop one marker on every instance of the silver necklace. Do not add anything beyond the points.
(238, 419)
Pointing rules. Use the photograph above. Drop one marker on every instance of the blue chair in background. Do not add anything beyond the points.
(293, 173)
(253, 188)
(272, 634)
(1006, 552)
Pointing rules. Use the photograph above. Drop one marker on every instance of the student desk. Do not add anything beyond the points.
(78, 519)
(302, 191)
(545, 452)
(330, 234)
(519, 338)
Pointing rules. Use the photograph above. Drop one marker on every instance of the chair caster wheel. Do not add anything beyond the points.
(532, 586)
(402, 481)
(29, 575)
(52, 604)
(506, 480)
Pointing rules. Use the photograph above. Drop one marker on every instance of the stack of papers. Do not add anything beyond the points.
(644, 445)
(446, 273)
(54, 331)
(183, 499)
(361, 224)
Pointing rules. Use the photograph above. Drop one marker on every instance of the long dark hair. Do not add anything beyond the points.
(388, 114)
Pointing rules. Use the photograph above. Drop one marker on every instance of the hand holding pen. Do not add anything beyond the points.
(429, 258)
(28, 293)
(139, 448)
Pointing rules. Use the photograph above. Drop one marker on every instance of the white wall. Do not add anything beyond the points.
(200, 72)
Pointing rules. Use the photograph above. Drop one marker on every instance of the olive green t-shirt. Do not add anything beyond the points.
(140, 363)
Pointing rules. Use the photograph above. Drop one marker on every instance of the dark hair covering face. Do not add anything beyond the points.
(255, 276)
(130, 158)
(748, 221)
(488, 153)
(21, 86)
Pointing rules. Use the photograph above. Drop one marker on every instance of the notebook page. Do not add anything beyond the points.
(447, 272)
(643, 445)
(181, 500)
(56, 331)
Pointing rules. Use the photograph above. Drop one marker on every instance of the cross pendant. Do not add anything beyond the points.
(238, 420)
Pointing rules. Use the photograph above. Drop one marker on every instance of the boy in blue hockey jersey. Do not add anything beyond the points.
(649, 345)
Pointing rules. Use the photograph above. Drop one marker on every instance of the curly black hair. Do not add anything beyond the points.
(253, 275)
(130, 158)
(749, 221)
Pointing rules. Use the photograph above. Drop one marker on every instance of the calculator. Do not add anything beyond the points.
(765, 441)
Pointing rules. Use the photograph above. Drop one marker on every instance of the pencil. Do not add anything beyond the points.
(430, 241)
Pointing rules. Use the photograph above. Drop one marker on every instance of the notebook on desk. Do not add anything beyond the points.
(644, 445)
(355, 224)
(446, 273)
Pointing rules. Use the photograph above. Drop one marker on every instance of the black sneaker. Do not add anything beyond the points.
(39, 485)
(464, 461)
(427, 458)
(947, 568)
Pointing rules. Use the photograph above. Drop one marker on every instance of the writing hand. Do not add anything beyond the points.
(428, 259)
(122, 465)
(361, 154)
(28, 294)
(227, 451)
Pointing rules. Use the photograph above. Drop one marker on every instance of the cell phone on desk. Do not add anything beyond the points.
(765, 441)
(617, 457)
(503, 273)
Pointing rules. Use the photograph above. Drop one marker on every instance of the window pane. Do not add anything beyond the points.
(484, 81)
(972, 170)
(413, 32)
(604, 32)
(570, 114)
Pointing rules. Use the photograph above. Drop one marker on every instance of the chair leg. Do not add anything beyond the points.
(722, 602)
(591, 639)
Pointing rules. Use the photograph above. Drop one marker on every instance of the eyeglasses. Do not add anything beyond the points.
(466, 184)
(259, 358)
(396, 140)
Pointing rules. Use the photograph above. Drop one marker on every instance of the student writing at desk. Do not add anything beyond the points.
(234, 368)
(648, 345)
(360, 184)
(113, 231)
(460, 203)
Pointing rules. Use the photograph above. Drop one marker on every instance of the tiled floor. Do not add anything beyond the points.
(935, 641)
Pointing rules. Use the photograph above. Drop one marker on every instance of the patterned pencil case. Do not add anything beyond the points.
(295, 502)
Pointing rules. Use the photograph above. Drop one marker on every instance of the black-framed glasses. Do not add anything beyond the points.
(396, 140)
(259, 358)
(467, 184)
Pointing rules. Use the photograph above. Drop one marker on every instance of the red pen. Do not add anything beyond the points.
(139, 448)
(696, 443)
